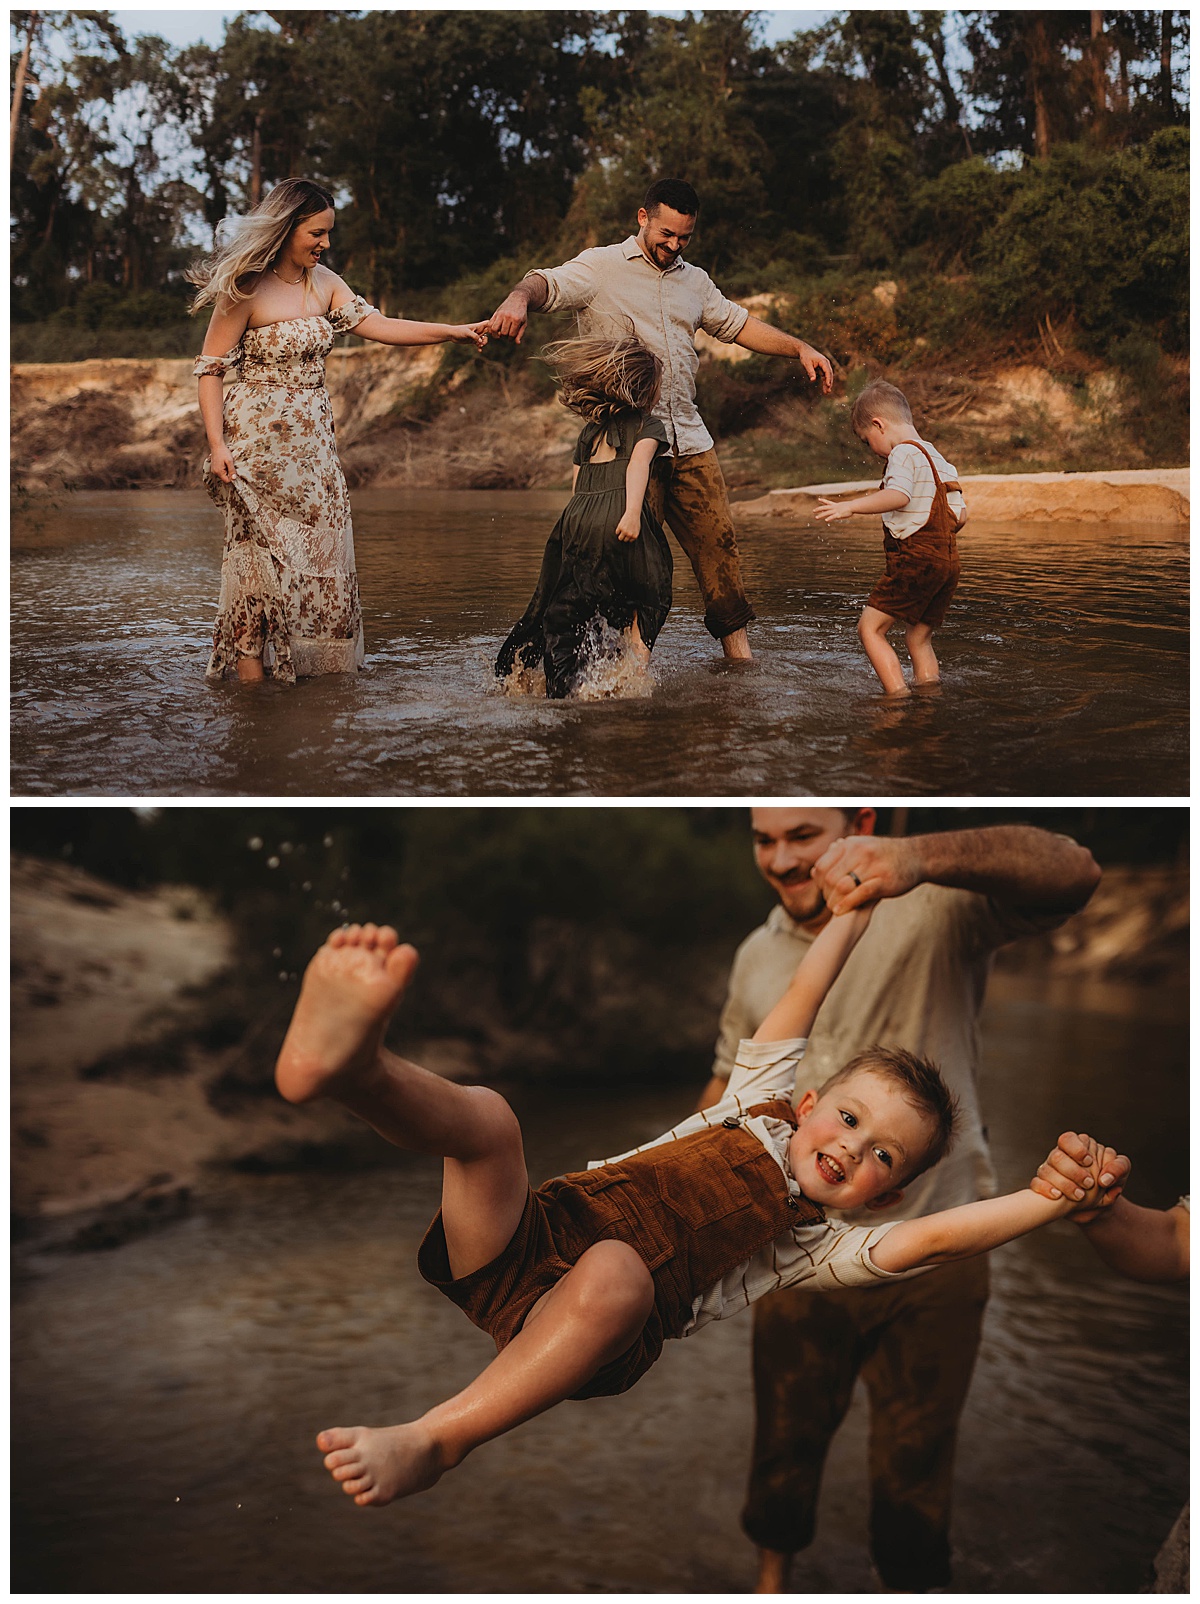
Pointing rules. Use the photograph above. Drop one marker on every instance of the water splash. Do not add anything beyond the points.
(612, 666)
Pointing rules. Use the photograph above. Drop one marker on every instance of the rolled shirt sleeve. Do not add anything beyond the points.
(571, 287)
(722, 318)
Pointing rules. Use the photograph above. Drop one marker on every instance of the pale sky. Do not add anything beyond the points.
(180, 27)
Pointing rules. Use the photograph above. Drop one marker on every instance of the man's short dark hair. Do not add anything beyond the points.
(676, 194)
(920, 1080)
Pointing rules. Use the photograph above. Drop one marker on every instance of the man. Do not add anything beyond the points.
(917, 981)
(645, 282)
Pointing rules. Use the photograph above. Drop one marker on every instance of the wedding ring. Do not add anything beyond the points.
(854, 877)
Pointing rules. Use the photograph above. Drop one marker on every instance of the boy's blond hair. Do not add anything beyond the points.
(921, 1083)
(880, 400)
(598, 378)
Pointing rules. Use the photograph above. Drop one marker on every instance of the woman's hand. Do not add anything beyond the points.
(1077, 1165)
(475, 334)
(221, 464)
(630, 526)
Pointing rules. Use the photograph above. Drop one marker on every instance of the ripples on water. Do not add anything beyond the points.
(1064, 662)
(166, 1394)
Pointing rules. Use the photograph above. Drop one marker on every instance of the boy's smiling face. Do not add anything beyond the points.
(857, 1141)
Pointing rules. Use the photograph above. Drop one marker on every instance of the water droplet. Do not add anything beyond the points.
(276, 952)
(307, 886)
(336, 906)
(272, 863)
(283, 974)
(285, 847)
(255, 843)
(328, 840)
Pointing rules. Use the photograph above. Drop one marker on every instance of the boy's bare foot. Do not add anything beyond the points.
(376, 1464)
(736, 647)
(350, 989)
(774, 1570)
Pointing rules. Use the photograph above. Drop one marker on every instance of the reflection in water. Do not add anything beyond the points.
(166, 1394)
(1064, 661)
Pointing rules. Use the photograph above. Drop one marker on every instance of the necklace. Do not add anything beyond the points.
(292, 281)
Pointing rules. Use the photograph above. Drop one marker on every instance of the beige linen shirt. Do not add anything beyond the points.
(916, 980)
(612, 286)
(821, 1257)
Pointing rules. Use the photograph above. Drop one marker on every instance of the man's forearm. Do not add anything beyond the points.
(533, 290)
(964, 1232)
(755, 335)
(1015, 863)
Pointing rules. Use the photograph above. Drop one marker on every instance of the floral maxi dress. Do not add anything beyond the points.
(289, 591)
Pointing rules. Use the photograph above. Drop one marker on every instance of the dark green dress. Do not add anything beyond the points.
(587, 573)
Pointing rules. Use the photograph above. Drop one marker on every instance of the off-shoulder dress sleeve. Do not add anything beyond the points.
(344, 318)
(216, 367)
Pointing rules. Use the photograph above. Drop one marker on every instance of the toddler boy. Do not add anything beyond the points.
(581, 1281)
(923, 510)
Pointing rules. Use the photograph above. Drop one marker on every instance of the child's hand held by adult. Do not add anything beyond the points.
(1084, 1171)
(629, 528)
(863, 868)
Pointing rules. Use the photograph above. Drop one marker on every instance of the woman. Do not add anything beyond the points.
(289, 593)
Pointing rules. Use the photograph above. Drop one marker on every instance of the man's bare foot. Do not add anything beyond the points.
(376, 1464)
(350, 990)
(774, 1570)
(737, 647)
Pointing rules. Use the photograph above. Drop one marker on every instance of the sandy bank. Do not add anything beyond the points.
(1159, 496)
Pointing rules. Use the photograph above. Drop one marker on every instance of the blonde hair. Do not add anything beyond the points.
(247, 246)
(880, 400)
(599, 378)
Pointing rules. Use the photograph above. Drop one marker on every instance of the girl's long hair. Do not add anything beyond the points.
(599, 378)
(247, 246)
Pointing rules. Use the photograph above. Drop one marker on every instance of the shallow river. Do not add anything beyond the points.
(166, 1393)
(1064, 662)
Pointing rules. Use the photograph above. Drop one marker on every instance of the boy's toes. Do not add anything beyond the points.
(349, 1471)
(369, 935)
(340, 1458)
(337, 1437)
(386, 939)
(372, 1497)
(401, 962)
(360, 1484)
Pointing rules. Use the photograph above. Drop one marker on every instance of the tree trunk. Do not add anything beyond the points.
(1099, 47)
(1164, 66)
(256, 162)
(19, 87)
(1039, 54)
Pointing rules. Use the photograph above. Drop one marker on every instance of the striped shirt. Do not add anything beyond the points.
(615, 286)
(909, 472)
(821, 1257)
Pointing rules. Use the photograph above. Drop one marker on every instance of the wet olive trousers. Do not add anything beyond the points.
(688, 494)
(914, 1344)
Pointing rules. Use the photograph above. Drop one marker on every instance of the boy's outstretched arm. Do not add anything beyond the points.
(794, 1013)
(1144, 1244)
(974, 1228)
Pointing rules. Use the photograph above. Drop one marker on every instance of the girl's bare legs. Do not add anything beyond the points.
(919, 640)
(333, 1048)
(640, 650)
(249, 669)
(872, 631)
(590, 1317)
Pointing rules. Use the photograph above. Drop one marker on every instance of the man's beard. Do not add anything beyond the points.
(812, 910)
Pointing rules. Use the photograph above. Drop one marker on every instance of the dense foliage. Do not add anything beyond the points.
(1033, 157)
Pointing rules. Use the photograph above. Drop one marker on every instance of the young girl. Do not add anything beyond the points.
(607, 559)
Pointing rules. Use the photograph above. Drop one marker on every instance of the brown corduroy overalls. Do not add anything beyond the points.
(693, 1210)
(923, 569)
